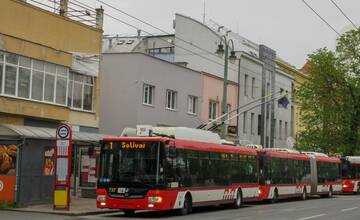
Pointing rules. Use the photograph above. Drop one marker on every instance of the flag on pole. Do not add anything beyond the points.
(283, 102)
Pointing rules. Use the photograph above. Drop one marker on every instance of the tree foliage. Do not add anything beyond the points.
(330, 100)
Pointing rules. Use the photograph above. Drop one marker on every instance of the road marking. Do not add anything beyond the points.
(314, 216)
(349, 209)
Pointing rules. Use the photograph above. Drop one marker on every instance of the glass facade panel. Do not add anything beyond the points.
(12, 58)
(24, 83)
(25, 62)
(88, 95)
(61, 90)
(37, 85)
(38, 80)
(1, 76)
(10, 80)
(77, 95)
(38, 65)
(49, 88)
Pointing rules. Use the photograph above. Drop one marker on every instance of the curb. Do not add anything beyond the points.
(69, 213)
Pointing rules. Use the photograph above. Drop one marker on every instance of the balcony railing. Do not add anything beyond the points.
(73, 9)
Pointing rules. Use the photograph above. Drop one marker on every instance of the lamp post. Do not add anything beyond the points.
(221, 52)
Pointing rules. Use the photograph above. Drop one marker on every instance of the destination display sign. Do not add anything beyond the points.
(132, 145)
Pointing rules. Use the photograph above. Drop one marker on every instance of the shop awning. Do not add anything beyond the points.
(21, 131)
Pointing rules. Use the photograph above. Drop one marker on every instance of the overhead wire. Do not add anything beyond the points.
(186, 49)
(327, 23)
(191, 52)
(342, 12)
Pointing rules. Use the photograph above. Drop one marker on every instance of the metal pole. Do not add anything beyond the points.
(238, 99)
(224, 99)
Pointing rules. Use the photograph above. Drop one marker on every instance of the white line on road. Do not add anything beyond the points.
(314, 216)
(349, 209)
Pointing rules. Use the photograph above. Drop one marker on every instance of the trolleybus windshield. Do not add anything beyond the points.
(132, 162)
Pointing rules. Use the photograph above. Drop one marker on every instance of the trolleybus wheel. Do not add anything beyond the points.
(358, 189)
(275, 197)
(304, 195)
(238, 201)
(128, 212)
(187, 208)
(330, 193)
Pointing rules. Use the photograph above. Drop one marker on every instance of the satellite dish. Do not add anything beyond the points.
(290, 142)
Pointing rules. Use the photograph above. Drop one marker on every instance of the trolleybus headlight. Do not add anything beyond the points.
(259, 191)
(101, 198)
(155, 199)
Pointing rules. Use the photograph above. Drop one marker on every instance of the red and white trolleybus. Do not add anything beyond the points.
(164, 173)
(351, 174)
(288, 173)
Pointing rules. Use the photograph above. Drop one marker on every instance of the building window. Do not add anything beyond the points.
(245, 84)
(148, 94)
(171, 99)
(192, 104)
(32, 79)
(24, 77)
(244, 122)
(80, 92)
(252, 123)
(286, 129)
(253, 87)
(280, 129)
(259, 125)
(213, 110)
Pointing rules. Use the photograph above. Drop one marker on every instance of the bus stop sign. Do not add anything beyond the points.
(63, 155)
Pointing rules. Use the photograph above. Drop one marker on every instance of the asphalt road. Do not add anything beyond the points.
(339, 208)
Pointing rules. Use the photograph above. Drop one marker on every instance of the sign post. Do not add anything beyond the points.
(63, 155)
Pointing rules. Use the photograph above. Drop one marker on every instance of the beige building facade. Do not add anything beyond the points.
(42, 82)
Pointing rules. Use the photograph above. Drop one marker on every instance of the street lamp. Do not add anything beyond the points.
(221, 51)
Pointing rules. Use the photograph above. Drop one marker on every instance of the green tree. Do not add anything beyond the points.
(330, 99)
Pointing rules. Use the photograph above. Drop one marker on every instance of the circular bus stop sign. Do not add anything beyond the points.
(63, 131)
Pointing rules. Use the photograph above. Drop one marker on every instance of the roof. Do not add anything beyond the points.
(21, 131)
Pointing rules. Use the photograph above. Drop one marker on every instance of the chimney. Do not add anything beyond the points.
(64, 7)
(99, 17)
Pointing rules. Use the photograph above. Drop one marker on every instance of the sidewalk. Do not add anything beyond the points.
(79, 206)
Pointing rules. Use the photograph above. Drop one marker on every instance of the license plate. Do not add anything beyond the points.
(121, 190)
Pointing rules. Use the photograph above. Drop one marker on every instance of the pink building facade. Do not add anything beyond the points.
(212, 98)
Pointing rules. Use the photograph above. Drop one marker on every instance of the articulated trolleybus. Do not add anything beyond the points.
(288, 173)
(172, 171)
(180, 168)
(351, 174)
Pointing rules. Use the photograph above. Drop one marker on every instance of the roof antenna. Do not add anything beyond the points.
(204, 14)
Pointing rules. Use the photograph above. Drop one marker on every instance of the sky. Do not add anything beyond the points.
(287, 26)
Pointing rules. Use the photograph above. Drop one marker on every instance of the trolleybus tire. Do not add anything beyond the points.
(128, 212)
(358, 190)
(187, 207)
(330, 193)
(275, 197)
(239, 199)
(304, 195)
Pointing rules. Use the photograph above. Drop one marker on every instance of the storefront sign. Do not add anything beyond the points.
(63, 157)
(49, 166)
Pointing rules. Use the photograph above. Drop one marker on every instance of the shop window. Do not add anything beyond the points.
(80, 91)
(89, 161)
